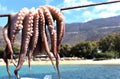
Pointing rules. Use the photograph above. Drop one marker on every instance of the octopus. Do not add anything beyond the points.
(37, 27)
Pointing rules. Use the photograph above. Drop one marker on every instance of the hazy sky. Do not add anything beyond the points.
(76, 15)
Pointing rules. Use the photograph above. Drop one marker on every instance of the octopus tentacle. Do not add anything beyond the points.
(6, 38)
(13, 29)
(34, 37)
(17, 23)
(8, 34)
(43, 34)
(26, 33)
(58, 16)
(6, 61)
(8, 48)
(8, 42)
(49, 21)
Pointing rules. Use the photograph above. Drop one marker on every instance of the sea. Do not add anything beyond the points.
(67, 72)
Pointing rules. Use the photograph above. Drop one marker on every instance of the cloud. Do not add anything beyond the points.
(69, 3)
(87, 13)
(102, 11)
(108, 10)
(48, 1)
(3, 8)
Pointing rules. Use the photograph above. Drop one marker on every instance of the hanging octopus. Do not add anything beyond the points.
(34, 24)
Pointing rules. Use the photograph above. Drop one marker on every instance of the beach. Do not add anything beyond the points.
(69, 62)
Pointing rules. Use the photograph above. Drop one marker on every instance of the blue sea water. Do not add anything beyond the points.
(67, 72)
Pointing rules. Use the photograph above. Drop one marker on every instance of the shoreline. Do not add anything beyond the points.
(70, 62)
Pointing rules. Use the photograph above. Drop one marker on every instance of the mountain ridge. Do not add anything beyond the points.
(91, 30)
(78, 32)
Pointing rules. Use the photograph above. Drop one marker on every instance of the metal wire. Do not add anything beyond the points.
(4, 15)
(102, 3)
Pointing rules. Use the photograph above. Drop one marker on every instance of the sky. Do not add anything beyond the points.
(71, 16)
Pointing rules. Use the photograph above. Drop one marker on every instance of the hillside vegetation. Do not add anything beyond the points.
(104, 48)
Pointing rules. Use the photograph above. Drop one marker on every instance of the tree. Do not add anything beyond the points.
(117, 43)
(107, 43)
(65, 50)
(85, 49)
(106, 55)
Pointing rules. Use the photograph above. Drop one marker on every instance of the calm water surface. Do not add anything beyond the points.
(67, 72)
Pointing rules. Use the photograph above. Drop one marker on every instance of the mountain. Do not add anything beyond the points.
(77, 32)
(91, 30)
